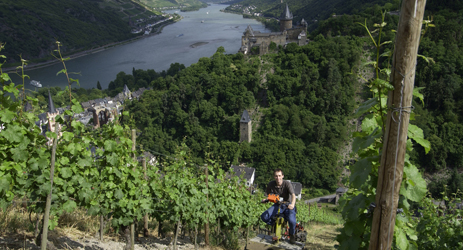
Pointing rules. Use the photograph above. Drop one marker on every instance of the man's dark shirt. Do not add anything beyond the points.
(284, 191)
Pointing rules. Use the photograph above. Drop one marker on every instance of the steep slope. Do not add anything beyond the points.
(32, 27)
(173, 3)
(310, 10)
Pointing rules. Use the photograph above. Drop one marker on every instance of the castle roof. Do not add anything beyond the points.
(303, 22)
(286, 15)
(249, 29)
(245, 117)
(51, 105)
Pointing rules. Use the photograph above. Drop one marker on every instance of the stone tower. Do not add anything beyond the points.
(286, 19)
(245, 127)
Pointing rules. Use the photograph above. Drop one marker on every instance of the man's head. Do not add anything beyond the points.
(278, 175)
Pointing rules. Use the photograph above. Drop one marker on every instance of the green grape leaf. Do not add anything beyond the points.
(13, 133)
(382, 83)
(61, 71)
(110, 145)
(416, 133)
(369, 124)
(364, 142)
(366, 106)
(415, 187)
(11, 89)
(358, 202)
(66, 172)
(76, 107)
(84, 162)
(360, 172)
(64, 160)
(4, 184)
(69, 206)
(112, 159)
(67, 136)
(400, 238)
(416, 93)
(118, 194)
(7, 115)
(19, 154)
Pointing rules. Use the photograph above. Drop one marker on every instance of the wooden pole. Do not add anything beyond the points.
(46, 216)
(101, 227)
(176, 234)
(145, 218)
(395, 137)
(206, 228)
(132, 226)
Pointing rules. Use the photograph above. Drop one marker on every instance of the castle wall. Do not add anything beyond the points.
(294, 32)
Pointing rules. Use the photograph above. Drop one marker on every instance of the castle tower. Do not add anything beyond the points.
(286, 19)
(245, 127)
(51, 115)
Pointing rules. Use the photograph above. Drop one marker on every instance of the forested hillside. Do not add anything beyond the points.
(314, 11)
(182, 4)
(31, 28)
(299, 109)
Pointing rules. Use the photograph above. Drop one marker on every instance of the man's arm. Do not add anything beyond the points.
(267, 192)
(293, 201)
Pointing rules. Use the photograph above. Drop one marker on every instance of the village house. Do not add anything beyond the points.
(247, 174)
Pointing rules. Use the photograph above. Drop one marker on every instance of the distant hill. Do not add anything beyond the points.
(311, 10)
(160, 4)
(31, 28)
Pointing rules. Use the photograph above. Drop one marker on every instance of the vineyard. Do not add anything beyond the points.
(98, 171)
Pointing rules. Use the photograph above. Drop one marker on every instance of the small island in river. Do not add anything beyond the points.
(194, 45)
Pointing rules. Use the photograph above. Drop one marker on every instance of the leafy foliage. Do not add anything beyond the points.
(306, 101)
(357, 211)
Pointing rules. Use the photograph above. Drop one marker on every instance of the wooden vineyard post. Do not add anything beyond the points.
(132, 226)
(176, 234)
(145, 218)
(46, 215)
(398, 117)
(308, 221)
(101, 227)
(196, 236)
(206, 227)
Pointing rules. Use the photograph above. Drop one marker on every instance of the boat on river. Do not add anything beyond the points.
(35, 84)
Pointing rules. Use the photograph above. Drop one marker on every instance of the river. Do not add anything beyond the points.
(155, 52)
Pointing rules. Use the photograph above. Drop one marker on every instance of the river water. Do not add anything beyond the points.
(155, 52)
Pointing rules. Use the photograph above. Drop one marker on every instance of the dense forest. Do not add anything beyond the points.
(314, 11)
(440, 115)
(300, 108)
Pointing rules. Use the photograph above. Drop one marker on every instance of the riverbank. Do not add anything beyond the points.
(32, 66)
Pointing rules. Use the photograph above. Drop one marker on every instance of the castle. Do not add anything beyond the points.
(288, 34)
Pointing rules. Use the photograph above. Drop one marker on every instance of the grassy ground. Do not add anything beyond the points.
(322, 236)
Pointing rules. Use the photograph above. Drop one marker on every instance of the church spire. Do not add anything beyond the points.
(51, 105)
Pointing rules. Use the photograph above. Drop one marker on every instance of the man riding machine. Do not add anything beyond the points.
(281, 193)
